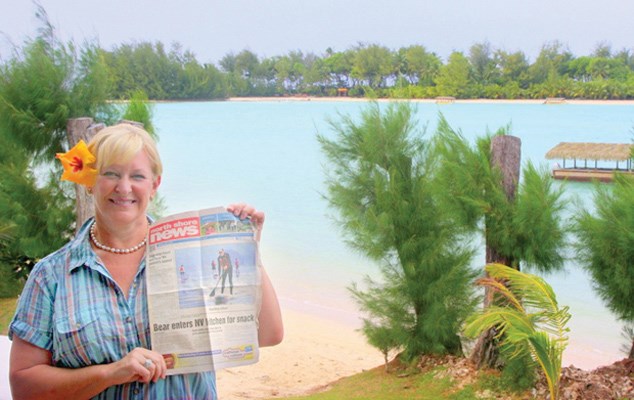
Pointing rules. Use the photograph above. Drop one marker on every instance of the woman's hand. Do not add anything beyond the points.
(141, 365)
(244, 211)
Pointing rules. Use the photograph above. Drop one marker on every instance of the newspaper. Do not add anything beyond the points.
(203, 289)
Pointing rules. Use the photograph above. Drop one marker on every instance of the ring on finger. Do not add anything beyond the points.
(148, 363)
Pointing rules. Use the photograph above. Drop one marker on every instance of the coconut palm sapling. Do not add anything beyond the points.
(530, 323)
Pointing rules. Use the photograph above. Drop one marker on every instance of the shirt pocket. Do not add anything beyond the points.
(77, 339)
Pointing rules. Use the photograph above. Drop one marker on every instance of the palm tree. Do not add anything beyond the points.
(531, 323)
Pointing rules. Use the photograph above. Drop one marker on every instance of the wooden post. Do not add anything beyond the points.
(506, 152)
(82, 129)
(505, 155)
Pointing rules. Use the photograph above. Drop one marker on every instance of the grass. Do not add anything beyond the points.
(376, 384)
(7, 308)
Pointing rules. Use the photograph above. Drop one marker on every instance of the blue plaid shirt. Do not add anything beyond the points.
(73, 308)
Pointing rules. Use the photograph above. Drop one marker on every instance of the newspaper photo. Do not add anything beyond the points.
(203, 288)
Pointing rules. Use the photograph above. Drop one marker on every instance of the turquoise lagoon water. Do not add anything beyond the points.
(266, 153)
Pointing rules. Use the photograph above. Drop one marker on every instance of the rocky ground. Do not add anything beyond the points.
(614, 381)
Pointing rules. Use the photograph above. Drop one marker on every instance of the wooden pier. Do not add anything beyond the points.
(585, 158)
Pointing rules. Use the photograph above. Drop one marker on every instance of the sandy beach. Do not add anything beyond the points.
(314, 353)
(317, 351)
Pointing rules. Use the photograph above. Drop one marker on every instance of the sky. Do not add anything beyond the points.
(212, 29)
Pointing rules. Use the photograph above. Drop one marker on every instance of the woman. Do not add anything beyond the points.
(81, 328)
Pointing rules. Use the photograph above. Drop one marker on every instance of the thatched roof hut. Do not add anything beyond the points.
(591, 151)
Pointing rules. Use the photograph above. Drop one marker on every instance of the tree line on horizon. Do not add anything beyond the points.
(373, 70)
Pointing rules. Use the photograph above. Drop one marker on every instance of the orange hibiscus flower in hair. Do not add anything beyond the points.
(76, 163)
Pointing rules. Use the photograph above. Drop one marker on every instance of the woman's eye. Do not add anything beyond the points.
(138, 177)
(110, 174)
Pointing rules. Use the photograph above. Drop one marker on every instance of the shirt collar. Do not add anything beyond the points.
(81, 253)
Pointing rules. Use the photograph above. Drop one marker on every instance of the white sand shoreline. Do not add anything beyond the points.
(457, 101)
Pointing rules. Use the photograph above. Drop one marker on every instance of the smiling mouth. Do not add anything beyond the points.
(122, 202)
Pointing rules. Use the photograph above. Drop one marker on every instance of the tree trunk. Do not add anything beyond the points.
(506, 152)
(631, 356)
(82, 129)
(505, 155)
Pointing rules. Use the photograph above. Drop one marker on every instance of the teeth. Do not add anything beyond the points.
(123, 202)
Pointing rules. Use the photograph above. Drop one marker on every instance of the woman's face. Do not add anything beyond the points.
(123, 192)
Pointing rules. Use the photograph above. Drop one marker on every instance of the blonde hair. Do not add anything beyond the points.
(118, 144)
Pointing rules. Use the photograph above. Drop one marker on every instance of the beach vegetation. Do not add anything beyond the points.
(521, 222)
(605, 246)
(44, 85)
(453, 77)
(39, 90)
(530, 323)
(439, 382)
(417, 65)
(382, 336)
(7, 309)
(380, 185)
(411, 72)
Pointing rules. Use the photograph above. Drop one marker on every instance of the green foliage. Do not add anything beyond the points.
(50, 83)
(527, 229)
(376, 384)
(518, 373)
(454, 77)
(465, 173)
(538, 227)
(383, 337)
(161, 74)
(46, 83)
(372, 65)
(38, 220)
(9, 284)
(380, 184)
(7, 310)
(139, 110)
(532, 323)
(627, 333)
(606, 244)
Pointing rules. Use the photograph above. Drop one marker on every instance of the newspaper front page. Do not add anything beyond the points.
(203, 285)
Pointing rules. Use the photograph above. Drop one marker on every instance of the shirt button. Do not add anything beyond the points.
(136, 391)
(128, 319)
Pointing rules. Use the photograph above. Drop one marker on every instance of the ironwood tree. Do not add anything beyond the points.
(380, 184)
(606, 246)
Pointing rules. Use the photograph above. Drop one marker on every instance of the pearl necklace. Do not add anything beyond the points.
(113, 249)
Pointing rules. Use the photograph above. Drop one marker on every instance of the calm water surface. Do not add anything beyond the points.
(266, 153)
